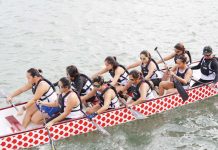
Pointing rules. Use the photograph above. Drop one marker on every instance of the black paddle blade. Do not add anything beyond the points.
(182, 92)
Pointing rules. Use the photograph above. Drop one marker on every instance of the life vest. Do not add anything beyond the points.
(76, 111)
(186, 52)
(182, 75)
(207, 73)
(123, 77)
(114, 102)
(50, 95)
(86, 87)
(156, 74)
(136, 93)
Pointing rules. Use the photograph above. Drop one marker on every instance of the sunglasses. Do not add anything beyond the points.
(177, 51)
(97, 85)
(142, 58)
(208, 55)
(60, 87)
(131, 79)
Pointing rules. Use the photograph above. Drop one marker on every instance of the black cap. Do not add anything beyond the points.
(207, 49)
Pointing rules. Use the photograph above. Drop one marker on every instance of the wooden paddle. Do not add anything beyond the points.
(182, 92)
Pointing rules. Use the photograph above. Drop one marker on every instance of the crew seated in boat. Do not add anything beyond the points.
(181, 72)
(118, 73)
(106, 94)
(149, 68)
(208, 66)
(42, 90)
(178, 51)
(142, 89)
(68, 101)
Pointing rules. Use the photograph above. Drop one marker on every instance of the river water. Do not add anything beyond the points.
(51, 34)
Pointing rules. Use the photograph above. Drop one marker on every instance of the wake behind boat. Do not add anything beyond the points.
(14, 137)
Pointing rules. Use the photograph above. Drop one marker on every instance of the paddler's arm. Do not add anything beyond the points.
(118, 73)
(88, 96)
(167, 58)
(49, 104)
(126, 87)
(143, 91)
(151, 70)
(198, 66)
(102, 71)
(67, 110)
(136, 64)
(107, 101)
(24, 88)
(214, 65)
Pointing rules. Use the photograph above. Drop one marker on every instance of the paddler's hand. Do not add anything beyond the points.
(48, 125)
(92, 115)
(213, 85)
(38, 102)
(21, 111)
(172, 73)
(9, 98)
(165, 66)
(129, 105)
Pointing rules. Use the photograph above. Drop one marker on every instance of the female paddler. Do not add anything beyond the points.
(42, 90)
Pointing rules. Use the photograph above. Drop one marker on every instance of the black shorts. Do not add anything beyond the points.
(92, 99)
(156, 81)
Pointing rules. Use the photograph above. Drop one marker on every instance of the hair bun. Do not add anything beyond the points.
(40, 71)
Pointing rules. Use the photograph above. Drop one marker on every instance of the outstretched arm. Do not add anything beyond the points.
(136, 64)
(24, 88)
(167, 58)
(102, 71)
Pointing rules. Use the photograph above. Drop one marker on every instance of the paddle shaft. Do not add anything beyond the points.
(3, 95)
(100, 128)
(135, 113)
(207, 84)
(12, 104)
(49, 135)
